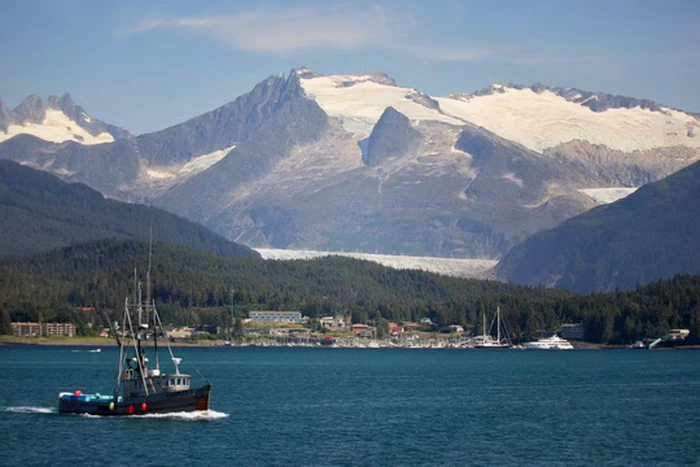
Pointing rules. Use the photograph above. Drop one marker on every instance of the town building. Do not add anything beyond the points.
(57, 329)
(332, 323)
(276, 317)
(28, 329)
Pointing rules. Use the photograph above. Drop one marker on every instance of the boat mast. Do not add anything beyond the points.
(149, 300)
(498, 323)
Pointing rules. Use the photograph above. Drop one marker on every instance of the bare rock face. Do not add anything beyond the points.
(367, 166)
(391, 137)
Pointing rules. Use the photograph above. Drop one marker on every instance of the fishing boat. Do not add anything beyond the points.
(141, 387)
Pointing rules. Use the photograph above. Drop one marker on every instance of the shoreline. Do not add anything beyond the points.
(91, 342)
(107, 342)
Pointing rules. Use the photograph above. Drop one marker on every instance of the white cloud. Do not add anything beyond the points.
(338, 26)
(283, 31)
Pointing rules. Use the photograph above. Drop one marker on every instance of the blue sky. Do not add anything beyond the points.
(147, 65)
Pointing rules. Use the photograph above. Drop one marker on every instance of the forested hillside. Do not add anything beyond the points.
(39, 212)
(652, 234)
(195, 287)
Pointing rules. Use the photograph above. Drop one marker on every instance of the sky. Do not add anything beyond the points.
(146, 65)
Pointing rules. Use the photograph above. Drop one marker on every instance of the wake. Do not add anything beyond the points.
(199, 415)
(188, 416)
(27, 409)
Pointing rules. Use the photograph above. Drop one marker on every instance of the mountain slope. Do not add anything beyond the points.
(56, 119)
(651, 234)
(40, 212)
(358, 162)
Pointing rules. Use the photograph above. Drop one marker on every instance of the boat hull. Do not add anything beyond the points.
(178, 401)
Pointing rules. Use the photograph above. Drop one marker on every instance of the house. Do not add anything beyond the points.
(333, 323)
(456, 328)
(358, 327)
(427, 322)
(395, 329)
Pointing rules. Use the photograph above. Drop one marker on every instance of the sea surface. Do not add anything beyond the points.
(295, 406)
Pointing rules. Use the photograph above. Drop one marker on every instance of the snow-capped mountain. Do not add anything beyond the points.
(57, 120)
(357, 162)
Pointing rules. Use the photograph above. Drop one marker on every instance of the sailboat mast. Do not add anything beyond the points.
(498, 323)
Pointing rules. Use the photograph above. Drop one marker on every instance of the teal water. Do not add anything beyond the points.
(291, 406)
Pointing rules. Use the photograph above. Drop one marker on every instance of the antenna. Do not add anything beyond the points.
(148, 273)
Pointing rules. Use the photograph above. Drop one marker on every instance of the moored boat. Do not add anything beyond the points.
(553, 342)
(486, 340)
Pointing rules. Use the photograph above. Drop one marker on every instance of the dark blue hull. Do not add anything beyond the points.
(177, 401)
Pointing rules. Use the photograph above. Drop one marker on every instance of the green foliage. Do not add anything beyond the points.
(650, 235)
(40, 212)
(5, 323)
(193, 287)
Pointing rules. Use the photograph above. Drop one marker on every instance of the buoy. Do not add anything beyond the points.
(111, 406)
(78, 392)
(131, 410)
(144, 406)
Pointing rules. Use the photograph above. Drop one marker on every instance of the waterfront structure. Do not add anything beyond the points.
(276, 317)
(30, 329)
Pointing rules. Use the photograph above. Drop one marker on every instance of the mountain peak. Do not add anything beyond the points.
(392, 137)
(56, 119)
(32, 108)
(303, 73)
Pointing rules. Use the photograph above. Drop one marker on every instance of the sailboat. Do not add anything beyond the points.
(486, 340)
(141, 387)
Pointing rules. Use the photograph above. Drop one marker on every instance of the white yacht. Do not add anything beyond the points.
(549, 343)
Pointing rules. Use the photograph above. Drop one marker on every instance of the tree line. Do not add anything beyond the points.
(192, 287)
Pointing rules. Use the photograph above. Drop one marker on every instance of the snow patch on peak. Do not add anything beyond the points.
(541, 118)
(56, 127)
(359, 100)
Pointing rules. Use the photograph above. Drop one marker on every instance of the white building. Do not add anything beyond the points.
(276, 317)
